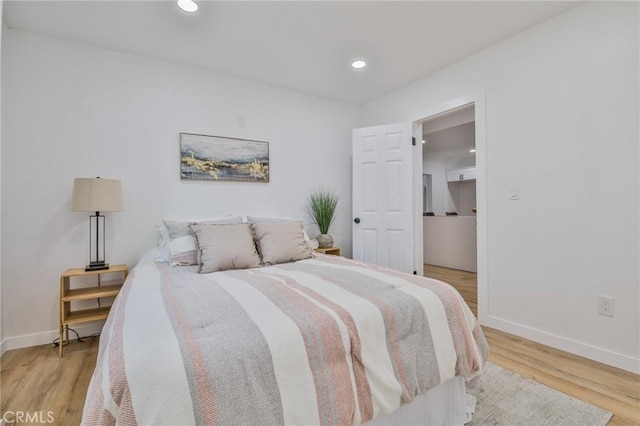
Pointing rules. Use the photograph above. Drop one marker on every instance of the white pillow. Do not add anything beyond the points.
(163, 254)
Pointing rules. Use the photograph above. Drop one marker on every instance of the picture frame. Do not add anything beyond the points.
(219, 158)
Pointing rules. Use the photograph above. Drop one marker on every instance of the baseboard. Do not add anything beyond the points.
(595, 353)
(45, 337)
(3, 349)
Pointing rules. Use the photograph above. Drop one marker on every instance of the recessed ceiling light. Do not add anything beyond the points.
(188, 5)
(472, 150)
(358, 64)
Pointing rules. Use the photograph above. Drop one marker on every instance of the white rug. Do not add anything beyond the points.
(508, 399)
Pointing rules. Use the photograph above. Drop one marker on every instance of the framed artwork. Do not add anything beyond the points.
(205, 157)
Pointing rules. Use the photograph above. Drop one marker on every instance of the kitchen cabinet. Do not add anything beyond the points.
(461, 175)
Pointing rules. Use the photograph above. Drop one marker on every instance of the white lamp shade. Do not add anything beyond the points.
(96, 195)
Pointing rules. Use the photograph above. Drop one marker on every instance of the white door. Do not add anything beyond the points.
(383, 190)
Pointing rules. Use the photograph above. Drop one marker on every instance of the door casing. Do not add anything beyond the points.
(478, 100)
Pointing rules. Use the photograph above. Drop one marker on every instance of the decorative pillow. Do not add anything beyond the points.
(254, 219)
(281, 242)
(224, 247)
(182, 243)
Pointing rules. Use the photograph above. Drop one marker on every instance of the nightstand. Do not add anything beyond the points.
(67, 295)
(330, 250)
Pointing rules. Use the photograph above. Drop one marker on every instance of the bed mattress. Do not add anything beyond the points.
(321, 341)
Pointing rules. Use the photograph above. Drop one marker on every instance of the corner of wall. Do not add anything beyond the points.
(2, 29)
(563, 343)
(45, 337)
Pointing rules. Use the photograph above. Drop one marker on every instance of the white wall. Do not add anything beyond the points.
(72, 110)
(463, 197)
(437, 169)
(449, 120)
(447, 148)
(561, 122)
(447, 197)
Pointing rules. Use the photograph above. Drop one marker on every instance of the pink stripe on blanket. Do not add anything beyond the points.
(324, 346)
(96, 413)
(464, 342)
(392, 336)
(339, 260)
(118, 384)
(203, 397)
(362, 383)
(127, 415)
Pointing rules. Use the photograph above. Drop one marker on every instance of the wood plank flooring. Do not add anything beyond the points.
(35, 379)
(609, 388)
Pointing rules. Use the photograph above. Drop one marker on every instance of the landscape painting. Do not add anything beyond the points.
(218, 158)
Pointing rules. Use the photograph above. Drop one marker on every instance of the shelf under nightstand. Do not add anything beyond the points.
(67, 295)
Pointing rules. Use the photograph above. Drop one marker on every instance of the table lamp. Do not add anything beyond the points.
(96, 195)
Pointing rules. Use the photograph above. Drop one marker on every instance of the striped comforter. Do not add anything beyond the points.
(321, 341)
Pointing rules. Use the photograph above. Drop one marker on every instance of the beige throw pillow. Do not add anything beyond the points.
(182, 244)
(280, 242)
(224, 247)
(255, 219)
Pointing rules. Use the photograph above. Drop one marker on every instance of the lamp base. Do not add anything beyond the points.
(96, 266)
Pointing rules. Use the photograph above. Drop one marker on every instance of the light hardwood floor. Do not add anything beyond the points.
(35, 379)
(609, 388)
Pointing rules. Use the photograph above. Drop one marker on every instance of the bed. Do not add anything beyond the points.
(325, 340)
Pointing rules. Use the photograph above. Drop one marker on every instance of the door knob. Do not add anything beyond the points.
(356, 220)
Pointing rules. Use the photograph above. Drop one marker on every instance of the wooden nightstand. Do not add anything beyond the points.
(331, 250)
(67, 316)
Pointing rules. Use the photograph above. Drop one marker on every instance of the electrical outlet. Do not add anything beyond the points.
(606, 305)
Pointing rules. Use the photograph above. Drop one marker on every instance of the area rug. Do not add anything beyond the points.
(506, 398)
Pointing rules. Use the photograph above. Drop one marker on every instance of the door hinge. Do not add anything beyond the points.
(413, 141)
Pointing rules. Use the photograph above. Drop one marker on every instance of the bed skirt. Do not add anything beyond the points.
(446, 404)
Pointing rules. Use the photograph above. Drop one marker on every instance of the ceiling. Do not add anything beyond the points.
(451, 143)
(300, 45)
(450, 136)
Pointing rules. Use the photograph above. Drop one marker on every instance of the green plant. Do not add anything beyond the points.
(322, 208)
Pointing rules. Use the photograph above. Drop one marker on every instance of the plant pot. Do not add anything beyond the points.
(325, 241)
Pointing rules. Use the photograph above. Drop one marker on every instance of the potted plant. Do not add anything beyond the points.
(322, 208)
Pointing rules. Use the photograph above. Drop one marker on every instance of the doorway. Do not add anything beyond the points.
(449, 225)
(388, 180)
(475, 100)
